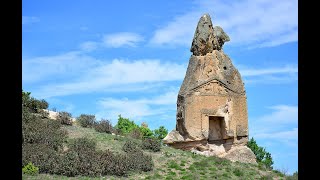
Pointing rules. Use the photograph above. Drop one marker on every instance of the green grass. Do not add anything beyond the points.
(169, 163)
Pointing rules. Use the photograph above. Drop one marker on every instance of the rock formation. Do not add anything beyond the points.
(211, 105)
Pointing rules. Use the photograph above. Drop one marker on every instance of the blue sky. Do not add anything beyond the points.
(130, 57)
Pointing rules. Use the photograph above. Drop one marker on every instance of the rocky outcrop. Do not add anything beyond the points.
(211, 103)
(173, 136)
(53, 115)
(241, 154)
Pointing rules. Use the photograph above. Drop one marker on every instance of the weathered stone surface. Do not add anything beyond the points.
(173, 137)
(211, 103)
(241, 154)
(220, 36)
(237, 153)
(53, 115)
(203, 41)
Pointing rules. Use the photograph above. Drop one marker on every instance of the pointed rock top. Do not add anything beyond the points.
(206, 17)
(207, 38)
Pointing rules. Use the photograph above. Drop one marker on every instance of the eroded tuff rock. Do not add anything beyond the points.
(207, 38)
(211, 104)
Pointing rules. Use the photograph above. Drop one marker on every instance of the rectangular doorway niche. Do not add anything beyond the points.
(216, 128)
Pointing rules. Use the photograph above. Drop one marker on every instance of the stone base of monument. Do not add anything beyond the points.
(228, 149)
(240, 153)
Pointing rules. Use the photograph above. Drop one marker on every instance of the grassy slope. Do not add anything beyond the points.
(170, 163)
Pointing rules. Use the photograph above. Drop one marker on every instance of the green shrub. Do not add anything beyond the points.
(82, 144)
(114, 164)
(237, 172)
(64, 118)
(151, 144)
(130, 146)
(30, 169)
(80, 159)
(119, 165)
(68, 166)
(33, 105)
(262, 155)
(161, 132)
(42, 156)
(85, 163)
(174, 165)
(43, 131)
(125, 125)
(86, 120)
(103, 126)
(146, 132)
(136, 160)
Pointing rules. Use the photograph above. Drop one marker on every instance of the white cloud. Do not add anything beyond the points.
(279, 125)
(281, 114)
(137, 108)
(29, 19)
(246, 72)
(94, 75)
(122, 39)
(60, 66)
(288, 135)
(76, 72)
(269, 75)
(249, 23)
(89, 46)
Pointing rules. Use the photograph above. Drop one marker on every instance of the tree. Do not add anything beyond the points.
(161, 132)
(262, 155)
(146, 132)
(125, 125)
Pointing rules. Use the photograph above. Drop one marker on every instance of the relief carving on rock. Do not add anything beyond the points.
(213, 87)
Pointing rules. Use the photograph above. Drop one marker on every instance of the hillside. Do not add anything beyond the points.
(169, 163)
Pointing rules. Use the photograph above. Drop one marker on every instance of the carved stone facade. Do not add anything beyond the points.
(211, 104)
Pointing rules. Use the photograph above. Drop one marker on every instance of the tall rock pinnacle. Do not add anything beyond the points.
(207, 38)
(211, 103)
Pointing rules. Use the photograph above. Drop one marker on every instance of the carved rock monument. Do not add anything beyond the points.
(212, 114)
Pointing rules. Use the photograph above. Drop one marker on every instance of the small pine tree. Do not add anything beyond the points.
(262, 155)
(161, 132)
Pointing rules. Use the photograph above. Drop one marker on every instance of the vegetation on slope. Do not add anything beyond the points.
(84, 152)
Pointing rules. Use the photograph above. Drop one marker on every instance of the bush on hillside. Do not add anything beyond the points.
(125, 125)
(137, 160)
(42, 145)
(146, 132)
(64, 118)
(86, 120)
(114, 164)
(151, 144)
(103, 126)
(135, 133)
(42, 131)
(161, 132)
(42, 156)
(130, 146)
(33, 105)
(30, 169)
(82, 144)
(85, 163)
(263, 157)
